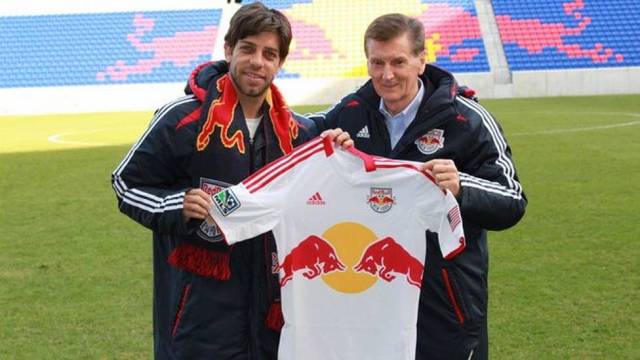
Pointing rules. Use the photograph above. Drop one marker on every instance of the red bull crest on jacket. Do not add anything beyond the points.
(431, 142)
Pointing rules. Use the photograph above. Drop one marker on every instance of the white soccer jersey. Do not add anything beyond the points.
(350, 232)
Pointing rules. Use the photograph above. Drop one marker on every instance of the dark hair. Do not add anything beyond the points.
(390, 26)
(255, 18)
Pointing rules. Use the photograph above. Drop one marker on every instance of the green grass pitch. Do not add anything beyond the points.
(75, 274)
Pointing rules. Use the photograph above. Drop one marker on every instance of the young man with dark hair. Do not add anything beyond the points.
(213, 301)
(411, 110)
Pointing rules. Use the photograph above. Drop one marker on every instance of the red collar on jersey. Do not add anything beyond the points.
(369, 163)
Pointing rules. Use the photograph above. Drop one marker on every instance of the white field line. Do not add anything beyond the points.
(57, 138)
(582, 129)
(589, 128)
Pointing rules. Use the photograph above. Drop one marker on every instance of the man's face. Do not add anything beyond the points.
(254, 62)
(394, 69)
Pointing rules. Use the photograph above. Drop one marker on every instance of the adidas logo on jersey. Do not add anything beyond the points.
(363, 133)
(315, 199)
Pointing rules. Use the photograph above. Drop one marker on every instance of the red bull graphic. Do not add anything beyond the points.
(328, 35)
(431, 142)
(309, 42)
(181, 49)
(443, 42)
(350, 258)
(536, 36)
(386, 256)
(349, 239)
(314, 256)
(381, 199)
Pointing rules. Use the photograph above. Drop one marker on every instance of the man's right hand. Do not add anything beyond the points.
(196, 204)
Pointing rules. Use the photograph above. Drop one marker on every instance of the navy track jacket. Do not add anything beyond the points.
(453, 303)
(210, 300)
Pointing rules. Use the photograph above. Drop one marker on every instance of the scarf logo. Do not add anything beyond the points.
(221, 115)
(222, 112)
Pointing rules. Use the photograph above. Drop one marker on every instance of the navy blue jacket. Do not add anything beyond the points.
(453, 301)
(210, 300)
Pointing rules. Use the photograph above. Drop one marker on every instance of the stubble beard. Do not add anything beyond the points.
(248, 92)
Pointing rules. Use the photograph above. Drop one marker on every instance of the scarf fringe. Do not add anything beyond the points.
(201, 261)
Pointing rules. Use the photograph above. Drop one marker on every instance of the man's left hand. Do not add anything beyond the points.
(445, 173)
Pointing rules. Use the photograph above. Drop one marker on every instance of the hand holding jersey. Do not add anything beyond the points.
(195, 205)
(445, 173)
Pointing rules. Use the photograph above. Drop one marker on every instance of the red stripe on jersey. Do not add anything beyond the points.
(253, 181)
(408, 166)
(368, 160)
(283, 169)
(458, 250)
(260, 173)
(328, 146)
(270, 176)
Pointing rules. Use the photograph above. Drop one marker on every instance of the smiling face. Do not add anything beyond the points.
(394, 68)
(253, 63)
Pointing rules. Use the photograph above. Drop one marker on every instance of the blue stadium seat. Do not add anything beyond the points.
(610, 24)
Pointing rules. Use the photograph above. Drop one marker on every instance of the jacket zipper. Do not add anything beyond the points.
(181, 304)
(452, 297)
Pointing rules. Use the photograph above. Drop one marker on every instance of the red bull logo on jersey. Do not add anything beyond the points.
(350, 258)
(313, 256)
(431, 142)
(381, 199)
(386, 257)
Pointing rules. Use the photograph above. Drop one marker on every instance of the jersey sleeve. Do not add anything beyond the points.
(242, 215)
(448, 224)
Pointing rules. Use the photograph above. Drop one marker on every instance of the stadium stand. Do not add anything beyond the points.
(328, 35)
(74, 55)
(105, 48)
(162, 46)
(548, 34)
